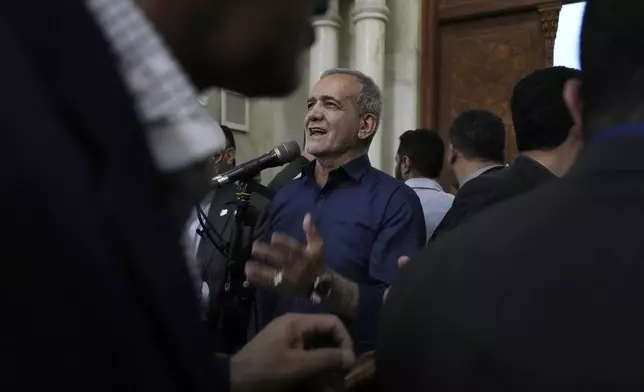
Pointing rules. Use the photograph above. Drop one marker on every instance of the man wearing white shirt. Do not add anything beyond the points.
(419, 162)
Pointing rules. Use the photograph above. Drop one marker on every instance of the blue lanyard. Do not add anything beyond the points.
(618, 131)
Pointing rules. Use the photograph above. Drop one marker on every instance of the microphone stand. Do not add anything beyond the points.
(238, 294)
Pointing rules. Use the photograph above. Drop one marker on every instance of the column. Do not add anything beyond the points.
(549, 24)
(370, 18)
(324, 53)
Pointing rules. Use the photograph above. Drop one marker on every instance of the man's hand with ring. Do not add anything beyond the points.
(289, 266)
(279, 357)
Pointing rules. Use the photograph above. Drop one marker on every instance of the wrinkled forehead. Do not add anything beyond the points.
(338, 87)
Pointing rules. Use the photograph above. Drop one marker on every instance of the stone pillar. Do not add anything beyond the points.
(324, 53)
(370, 18)
(549, 24)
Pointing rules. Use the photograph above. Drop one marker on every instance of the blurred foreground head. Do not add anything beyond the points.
(249, 46)
(612, 61)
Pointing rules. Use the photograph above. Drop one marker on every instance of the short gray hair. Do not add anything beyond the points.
(369, 99)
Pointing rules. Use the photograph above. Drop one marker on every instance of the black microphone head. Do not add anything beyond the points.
(287, 151)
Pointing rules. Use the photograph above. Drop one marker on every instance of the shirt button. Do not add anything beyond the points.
(321, 196)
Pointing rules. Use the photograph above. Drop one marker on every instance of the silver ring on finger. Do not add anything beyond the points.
(277, 279)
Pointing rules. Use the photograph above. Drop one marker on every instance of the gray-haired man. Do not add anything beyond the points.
(366, 218)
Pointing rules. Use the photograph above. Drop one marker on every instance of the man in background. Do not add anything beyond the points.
(550, 299)
(220, 162)
(545, 139)
(105, 182)
(210, 237)
(339, 229)
(419, 163)
(547, 143)
(226, 159)
(476, 150)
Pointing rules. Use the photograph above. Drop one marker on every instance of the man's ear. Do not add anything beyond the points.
(230, 156)
(451, 155)
(572, 97)
(368, 125)
(405, 165)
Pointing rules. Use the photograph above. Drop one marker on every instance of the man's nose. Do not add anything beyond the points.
(315, 114)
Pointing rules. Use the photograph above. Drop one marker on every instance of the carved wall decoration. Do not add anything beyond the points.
(481, 61)
(475, 51)
(549, 24)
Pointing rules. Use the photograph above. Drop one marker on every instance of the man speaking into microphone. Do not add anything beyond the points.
(335, 234)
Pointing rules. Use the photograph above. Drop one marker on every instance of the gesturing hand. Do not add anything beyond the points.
(402, 260)
(278, 357)
(290, 266)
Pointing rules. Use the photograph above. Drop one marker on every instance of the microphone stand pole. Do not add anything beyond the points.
(238, 294)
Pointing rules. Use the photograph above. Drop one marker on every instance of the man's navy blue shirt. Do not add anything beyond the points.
(367, 219)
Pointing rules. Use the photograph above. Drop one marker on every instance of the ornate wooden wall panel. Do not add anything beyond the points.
(474, 51)
(466, 9)
(480, 62)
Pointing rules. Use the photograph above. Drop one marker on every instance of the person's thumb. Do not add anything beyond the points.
(384, 297)
(311, 233)
(311, 362)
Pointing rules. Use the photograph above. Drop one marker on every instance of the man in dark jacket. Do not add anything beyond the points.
(103, 151)
(476, 149)
(211, 236)
(545, 139)
(551, 299)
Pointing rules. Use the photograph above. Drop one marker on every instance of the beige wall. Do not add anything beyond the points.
(273, 121)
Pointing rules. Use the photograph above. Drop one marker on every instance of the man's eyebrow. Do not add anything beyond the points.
(324, 98)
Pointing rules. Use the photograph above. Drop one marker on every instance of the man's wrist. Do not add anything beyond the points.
(322, 287)
(343, 297)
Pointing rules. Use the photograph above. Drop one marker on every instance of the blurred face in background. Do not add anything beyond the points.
(249, 46)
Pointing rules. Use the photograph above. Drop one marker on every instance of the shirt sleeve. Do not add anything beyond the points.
(402, 234)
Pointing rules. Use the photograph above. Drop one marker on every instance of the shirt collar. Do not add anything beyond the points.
(481, 171)
(424, 183)
(355, 168)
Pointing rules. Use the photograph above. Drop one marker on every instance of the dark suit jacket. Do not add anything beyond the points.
(221, 220)
(95, 292)
(549, 300)
(490, 188)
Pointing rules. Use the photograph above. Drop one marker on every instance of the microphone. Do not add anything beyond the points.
(280, 155)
